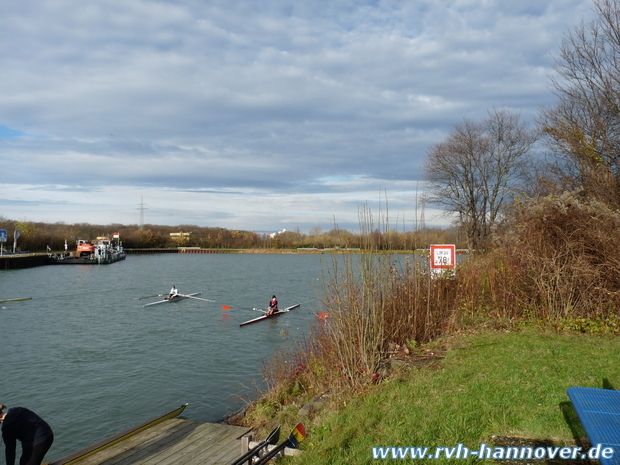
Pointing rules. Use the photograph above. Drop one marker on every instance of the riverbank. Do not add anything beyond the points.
(29, 260)
(496, 387)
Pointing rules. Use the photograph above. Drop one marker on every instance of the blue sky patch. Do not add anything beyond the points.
(6, 132)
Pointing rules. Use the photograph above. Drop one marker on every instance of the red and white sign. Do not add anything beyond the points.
(443, 258)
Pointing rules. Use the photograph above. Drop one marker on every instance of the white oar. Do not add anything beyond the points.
(197, 298)
(149, 296)
(226, 307)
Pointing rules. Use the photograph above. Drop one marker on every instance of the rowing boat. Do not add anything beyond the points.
(16, 300)
(264, 317)
(174, 299)
(82, 454)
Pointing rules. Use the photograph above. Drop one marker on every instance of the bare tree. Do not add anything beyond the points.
(583, 129)
(477, 169)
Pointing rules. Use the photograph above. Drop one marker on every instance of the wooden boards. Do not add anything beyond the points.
(174, 442)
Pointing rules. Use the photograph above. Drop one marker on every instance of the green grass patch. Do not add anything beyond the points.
(489, 385)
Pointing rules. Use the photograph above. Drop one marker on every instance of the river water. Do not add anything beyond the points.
(90, 359)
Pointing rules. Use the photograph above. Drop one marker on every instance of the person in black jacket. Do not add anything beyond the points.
(25, 426)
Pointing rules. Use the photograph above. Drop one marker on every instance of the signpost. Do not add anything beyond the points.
(15, 236)
(2, 239)
(443, 260)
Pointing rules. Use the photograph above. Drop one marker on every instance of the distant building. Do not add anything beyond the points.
(180, 235)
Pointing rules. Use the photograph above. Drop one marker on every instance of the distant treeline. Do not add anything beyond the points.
(37, 237)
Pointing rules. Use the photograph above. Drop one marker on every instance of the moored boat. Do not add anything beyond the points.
(264, 317)
(100, 252)
(174, 299)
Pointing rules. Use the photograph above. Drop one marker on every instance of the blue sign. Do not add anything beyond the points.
(2, 235)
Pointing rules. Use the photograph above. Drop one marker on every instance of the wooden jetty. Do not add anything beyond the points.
(171, 442)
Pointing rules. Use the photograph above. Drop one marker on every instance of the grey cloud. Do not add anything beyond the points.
(210, 98)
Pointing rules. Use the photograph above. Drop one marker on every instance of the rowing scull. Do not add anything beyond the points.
(264, 317)
(174, 299)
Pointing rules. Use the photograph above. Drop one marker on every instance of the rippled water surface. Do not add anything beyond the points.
(89, 358)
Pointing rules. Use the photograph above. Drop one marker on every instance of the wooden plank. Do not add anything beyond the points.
(207, 439)
(131, 443)
(145, 451)
(229, 454)
(173, 442)
(227, 446)
(224, 440)
(141, 444)
(224, 456)
(202, 436)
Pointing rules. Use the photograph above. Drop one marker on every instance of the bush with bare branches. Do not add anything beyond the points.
(568, 255)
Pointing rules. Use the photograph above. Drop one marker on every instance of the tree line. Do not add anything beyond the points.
(39, 237)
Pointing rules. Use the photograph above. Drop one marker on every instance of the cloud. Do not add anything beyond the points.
(252, 116)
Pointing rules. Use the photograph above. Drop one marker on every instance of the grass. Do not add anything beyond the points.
(490, 385)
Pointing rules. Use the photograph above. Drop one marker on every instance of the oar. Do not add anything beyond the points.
(15, 300)
(271, 439)
(197, 298)
(297, 435)
(149, 296)
(226, 307)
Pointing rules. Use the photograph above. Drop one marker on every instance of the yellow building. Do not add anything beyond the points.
(180, 235)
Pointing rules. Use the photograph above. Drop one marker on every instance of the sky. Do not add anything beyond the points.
(255, 115)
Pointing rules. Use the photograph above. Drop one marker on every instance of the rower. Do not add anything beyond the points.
(173, 292)
(273, 306)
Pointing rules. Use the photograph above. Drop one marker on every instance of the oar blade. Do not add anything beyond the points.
(297, 435)
(274, 436)
(226, 307)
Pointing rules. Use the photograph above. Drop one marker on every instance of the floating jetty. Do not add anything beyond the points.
(170, 442)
